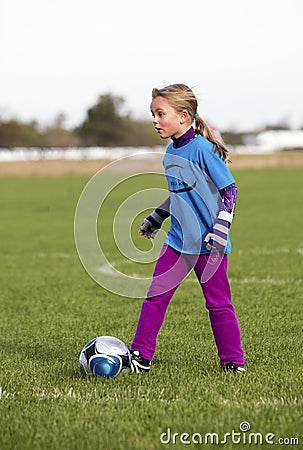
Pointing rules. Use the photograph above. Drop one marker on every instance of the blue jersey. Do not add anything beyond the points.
(195, 174)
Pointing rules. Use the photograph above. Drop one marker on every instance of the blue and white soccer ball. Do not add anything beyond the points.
(105, 356)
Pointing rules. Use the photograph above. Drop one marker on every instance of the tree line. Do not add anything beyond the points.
(105, 125)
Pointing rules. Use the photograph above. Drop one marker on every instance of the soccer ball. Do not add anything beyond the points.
(105, 356)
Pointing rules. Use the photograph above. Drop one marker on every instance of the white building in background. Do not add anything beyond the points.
(281, 139)
(272, 141)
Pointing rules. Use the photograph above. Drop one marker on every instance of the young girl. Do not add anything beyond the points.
(201, 204)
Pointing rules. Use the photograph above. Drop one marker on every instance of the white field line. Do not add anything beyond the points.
(268, 281)
(56, 255)
(240, 252)
(252, 251)
(71, 394)
(108, 270)
(280, 401)
(262, 251)
(256, 280)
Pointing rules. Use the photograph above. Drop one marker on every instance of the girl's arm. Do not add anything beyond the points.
(217, 238)
(153, 223)
(229, 197)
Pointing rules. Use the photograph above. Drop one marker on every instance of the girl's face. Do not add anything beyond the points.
(166, 120)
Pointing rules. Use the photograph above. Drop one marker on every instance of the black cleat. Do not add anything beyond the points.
(231, 367)
(138, 363)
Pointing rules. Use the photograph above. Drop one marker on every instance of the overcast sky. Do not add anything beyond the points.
(242, 58)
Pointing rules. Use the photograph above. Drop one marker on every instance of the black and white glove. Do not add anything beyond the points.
(152, 224)
(217, 239)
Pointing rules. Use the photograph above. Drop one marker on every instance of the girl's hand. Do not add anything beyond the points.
(152, 224)
(148, 230)
(217, 239)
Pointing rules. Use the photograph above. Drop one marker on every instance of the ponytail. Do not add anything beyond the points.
(213, 136)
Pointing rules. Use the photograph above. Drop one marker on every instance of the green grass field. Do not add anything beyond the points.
(50, 308)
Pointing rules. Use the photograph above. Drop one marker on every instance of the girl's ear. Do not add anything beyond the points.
(184, 116)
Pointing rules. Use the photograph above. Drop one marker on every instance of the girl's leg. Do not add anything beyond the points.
(222, 314)
(170, 271)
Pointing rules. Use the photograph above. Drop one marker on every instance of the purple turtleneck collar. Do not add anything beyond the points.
(184, 139)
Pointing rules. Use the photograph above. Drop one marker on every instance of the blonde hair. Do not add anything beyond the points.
(181, 97)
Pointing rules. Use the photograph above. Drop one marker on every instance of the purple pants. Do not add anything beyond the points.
(171, 269)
